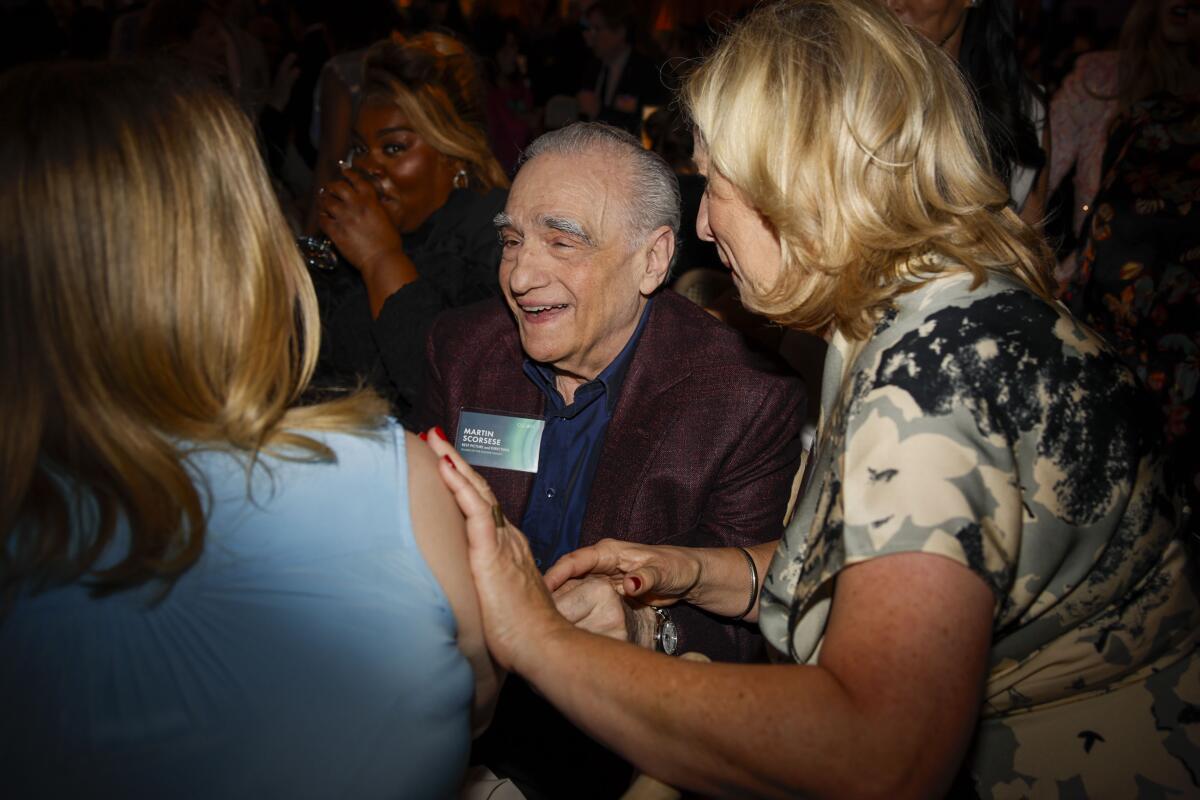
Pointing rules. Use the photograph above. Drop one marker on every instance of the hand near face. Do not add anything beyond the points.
(350, 213)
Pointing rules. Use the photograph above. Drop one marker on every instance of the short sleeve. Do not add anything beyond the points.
(916, 481)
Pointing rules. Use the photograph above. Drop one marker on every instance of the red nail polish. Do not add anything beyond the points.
(451, 463)
(637, 583)
(423, 437)
(438, 430)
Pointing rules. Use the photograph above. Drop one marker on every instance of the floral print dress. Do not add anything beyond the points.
(1138, 284)
(987, 426)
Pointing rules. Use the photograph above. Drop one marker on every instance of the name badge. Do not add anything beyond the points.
(504, 441)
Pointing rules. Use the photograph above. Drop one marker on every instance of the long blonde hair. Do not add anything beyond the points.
(435, 81)
(859, 144)
(152, 302)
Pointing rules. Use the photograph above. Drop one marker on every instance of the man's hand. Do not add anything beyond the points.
(656, 574)
(593, 604)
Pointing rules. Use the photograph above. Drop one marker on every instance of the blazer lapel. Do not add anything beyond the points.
(635, 430)
(501, 386)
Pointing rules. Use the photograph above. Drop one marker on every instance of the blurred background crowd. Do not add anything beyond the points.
(1069, 92)
(303, 58)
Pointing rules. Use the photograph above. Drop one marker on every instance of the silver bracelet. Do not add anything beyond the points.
(753, 583)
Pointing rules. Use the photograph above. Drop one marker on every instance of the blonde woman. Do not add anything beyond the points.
(412, 217)
(984, 588)
(208, 592)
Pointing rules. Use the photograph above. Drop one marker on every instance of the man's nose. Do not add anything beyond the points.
(526, 270)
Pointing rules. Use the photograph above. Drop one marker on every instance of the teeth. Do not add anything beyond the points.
(540, 309)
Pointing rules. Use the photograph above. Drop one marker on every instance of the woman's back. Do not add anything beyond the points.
(309, 652)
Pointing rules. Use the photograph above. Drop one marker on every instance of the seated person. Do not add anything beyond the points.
(987, 589)
(208, 592)
(411, 216)
(660, 425)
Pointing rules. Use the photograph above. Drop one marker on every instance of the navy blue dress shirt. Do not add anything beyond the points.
(571, 443)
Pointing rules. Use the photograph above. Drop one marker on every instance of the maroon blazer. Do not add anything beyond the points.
(700, 451)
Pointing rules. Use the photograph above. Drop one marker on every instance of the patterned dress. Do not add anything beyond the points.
(988, 427)
(1139, 281)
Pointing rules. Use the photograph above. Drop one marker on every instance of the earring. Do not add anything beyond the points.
(461, 179)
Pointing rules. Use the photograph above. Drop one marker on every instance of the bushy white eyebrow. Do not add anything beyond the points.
(568, 226)
(562, 224)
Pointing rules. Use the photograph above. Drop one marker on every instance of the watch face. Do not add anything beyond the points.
(669, 637)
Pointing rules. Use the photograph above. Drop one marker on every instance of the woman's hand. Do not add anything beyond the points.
(518, 612)
(655, 575)
(352, 215)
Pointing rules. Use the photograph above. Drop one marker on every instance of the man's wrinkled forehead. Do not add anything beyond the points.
(577, 194)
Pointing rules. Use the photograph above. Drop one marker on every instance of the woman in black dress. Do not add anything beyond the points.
(411, 217)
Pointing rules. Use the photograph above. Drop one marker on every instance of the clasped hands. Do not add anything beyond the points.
(607, 589)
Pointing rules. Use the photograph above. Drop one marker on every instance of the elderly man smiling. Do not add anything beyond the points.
(597, 404)
(656, 422)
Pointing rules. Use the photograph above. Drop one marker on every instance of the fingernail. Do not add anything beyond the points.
(448, 461)
(423, 437)
(438, 430)
(637, 583)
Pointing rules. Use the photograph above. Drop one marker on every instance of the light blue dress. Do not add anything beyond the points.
(309, 653)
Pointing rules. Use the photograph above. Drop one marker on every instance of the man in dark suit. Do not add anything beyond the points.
(622, 81)
(657, 423)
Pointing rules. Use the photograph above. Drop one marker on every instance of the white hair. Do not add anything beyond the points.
(652, 197)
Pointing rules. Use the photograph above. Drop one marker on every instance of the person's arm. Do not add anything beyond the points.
(350, 214)
(439, 532)
(888, 709)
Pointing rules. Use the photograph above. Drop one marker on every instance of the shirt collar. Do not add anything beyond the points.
(607, 382)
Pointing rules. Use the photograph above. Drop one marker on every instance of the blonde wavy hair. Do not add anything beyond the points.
(859, 144)
(434, 80)
(152, 303)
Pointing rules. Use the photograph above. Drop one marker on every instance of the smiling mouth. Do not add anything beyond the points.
(535, 310)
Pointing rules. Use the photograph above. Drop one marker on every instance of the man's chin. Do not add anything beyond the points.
(539, 350)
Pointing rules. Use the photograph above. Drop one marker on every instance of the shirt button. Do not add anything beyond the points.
(550, 493)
